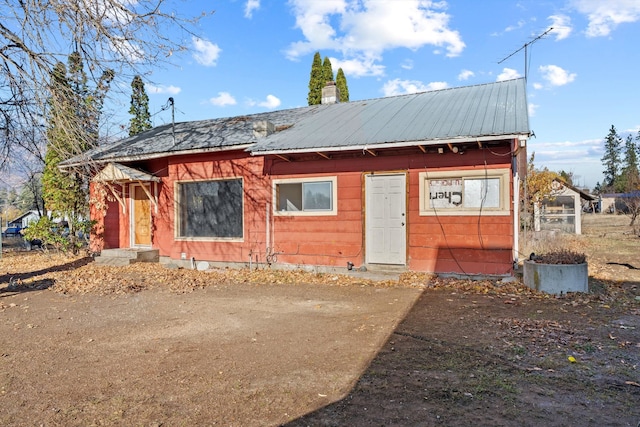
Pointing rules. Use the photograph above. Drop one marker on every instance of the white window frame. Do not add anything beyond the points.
(178, 202)
(502, 174)
(334, 196)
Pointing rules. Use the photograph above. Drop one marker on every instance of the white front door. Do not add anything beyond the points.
(386, 219)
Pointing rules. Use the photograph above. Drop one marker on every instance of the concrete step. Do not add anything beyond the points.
(120, 257)
(113, 262)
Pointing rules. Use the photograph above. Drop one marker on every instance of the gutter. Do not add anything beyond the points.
(391, 144)
(69, 164)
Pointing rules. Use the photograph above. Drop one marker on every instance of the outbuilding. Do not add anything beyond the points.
(562, 210)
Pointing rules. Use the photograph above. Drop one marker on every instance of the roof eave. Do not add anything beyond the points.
(403, 144)
(136, 158)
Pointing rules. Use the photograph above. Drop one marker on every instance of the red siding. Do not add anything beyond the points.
(461, 244)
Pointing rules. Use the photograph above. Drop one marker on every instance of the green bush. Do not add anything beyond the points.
(54, 234)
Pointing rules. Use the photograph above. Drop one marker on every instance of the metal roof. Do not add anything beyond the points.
(451, 115)
(191, 137)
(458, 114)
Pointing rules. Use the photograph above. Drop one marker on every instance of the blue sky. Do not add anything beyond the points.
(255, 55)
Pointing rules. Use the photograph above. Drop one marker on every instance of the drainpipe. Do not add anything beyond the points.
(267, 241)
(516, 211)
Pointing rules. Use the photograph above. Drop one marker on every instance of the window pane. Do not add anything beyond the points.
(445, 193)
(317, 196)
(289, 197)
(211, 208)
(560, 204)
(483, 193)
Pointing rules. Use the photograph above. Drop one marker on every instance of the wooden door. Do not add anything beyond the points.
(141, 217)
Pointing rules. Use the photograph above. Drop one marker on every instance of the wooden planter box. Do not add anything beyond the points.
(556, 278)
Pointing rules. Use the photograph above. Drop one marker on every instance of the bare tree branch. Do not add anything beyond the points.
(127, 36)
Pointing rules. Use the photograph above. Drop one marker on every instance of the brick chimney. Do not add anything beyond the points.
(330, 93)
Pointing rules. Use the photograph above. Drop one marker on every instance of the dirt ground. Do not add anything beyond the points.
(144, 345)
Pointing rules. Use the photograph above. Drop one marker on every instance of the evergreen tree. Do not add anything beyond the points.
(73, 119)
(327, 71)
(341, 83)
(139, 109)
(566, 176)
(60, 189)
(598, 188)
(611, 158)
(630, 177)
(316, 82)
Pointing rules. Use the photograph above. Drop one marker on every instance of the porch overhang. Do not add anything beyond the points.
(116, 173)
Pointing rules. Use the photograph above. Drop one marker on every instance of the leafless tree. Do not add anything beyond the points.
(126, 36)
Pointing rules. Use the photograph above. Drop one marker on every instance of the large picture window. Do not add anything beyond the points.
(312, 196)
(210, 209)
(465, 192)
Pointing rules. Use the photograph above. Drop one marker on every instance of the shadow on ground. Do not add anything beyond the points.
(468, 360)
(20, 282)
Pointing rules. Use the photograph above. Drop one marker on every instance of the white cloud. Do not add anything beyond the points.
(407, 64)
(358, 67)
(206, 53)
(556, 76)
(160, 90)
(401, 87)
(519, 25)
(437, 85)
(250, 6)
(270, 102)
(465, 74)
(130, 51)
(604, 16)
(367, 28)
(508, 74)
(532, 109)
(561, 26)
(538, 85)
(223, 99)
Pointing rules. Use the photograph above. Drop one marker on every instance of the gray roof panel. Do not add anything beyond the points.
(494, 109)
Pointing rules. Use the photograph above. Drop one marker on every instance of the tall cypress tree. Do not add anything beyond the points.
(327, 71)
(341, 83)
(611, 158)
(316, 82)
(139, 109)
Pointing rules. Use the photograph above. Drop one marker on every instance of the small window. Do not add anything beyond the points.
(482, 193)
(465, 193)
(315, 196)
(210, 209)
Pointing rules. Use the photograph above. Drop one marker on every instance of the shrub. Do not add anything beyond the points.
(57, 234)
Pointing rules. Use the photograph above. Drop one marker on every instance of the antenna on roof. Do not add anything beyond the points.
(173, 120)
(525, 47)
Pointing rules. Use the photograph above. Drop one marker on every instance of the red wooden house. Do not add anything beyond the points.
(424, 182)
